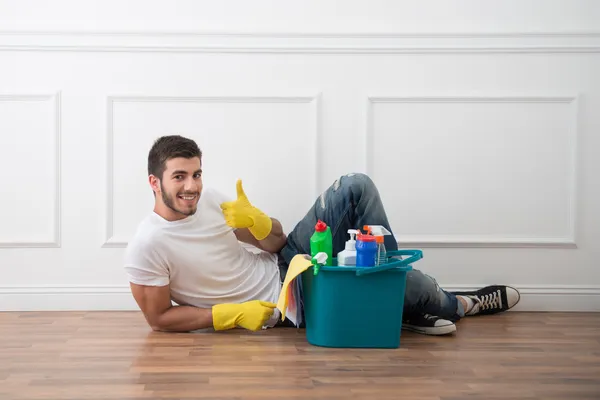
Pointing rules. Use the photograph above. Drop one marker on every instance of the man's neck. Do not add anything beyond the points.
(168, 214)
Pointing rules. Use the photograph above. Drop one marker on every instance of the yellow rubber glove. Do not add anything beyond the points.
(250, 315)
(241, 213)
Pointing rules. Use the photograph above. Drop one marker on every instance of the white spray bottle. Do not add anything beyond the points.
(379, 232)
(347, 257)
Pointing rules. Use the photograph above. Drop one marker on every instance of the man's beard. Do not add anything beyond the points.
(169, 202)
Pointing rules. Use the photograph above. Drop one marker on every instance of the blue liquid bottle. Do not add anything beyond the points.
(366, 250)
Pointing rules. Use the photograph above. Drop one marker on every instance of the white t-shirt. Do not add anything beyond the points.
(201, 259)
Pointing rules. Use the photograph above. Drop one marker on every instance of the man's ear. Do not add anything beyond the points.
(154, 183)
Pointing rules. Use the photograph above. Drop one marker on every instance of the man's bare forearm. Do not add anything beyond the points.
(183, 319)
(276, 239)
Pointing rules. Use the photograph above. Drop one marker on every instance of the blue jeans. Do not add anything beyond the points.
(351, 202)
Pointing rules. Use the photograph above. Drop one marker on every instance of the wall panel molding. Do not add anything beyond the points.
(301, 42)
(311, 99)
(443, 241)
(55, 98)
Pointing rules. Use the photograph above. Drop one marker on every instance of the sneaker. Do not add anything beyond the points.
(491, 299)
(428, 325)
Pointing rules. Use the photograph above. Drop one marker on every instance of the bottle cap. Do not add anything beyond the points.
(321, 226)
(365, 238)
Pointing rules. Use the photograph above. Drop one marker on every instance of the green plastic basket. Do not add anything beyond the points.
(356, 306)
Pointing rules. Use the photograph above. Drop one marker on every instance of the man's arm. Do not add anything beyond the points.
(161, 315)
(252, 225)
(272, 243)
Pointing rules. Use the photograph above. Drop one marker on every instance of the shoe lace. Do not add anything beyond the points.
(489, 301)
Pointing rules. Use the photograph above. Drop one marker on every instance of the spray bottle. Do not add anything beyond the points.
(347, 257)
(379, 232)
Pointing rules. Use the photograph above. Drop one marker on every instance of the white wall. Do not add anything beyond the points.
(478, 122)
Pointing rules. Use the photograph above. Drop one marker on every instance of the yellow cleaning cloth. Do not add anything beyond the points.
(299, 264)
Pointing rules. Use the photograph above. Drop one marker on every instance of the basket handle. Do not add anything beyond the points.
(415, 255)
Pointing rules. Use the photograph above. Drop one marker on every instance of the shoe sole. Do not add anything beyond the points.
(433, 331)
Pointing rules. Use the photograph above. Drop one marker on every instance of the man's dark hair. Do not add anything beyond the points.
(168, 147)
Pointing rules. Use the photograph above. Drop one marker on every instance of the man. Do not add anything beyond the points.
(188, 251)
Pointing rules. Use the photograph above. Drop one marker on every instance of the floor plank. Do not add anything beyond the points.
(114, 355)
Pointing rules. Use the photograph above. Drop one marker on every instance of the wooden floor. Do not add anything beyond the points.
(100, 355)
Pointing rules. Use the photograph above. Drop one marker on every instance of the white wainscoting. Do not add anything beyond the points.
(459, 153)
(30, 161)
(479, 129)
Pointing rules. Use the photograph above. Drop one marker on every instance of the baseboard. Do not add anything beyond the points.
(66, 298)
(576, 298)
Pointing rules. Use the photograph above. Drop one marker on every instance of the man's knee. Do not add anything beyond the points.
(358, 183)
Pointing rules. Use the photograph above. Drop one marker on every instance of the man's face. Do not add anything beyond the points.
(180, 186)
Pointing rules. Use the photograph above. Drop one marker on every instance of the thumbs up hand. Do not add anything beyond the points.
(240, 213)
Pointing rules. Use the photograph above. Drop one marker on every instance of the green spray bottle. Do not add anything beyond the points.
(321, 242)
